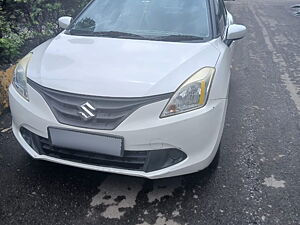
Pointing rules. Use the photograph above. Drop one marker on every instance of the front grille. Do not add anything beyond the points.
(146, 161)
(109, 112)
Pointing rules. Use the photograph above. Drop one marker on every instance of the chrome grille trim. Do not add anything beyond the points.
(110, 111)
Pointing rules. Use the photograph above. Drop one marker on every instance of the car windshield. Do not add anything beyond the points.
(166, 20)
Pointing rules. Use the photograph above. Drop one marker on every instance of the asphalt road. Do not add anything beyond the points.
(257, 181)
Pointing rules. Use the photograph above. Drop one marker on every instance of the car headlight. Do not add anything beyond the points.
(20, 76)
(192, 94)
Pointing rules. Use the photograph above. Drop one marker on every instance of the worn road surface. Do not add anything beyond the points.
(257, 181)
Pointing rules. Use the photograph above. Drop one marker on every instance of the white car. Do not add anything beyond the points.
(133, 87)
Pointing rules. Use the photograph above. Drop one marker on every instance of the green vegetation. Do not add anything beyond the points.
(26, 23)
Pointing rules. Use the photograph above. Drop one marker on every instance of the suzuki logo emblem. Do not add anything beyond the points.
(87, 111)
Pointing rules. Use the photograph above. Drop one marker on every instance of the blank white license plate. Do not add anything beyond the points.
(89, 142)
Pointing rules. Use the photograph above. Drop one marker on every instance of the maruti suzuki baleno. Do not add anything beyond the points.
(133, 87)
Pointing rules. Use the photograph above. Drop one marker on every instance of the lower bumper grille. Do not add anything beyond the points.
(146, 161)
(130, 160)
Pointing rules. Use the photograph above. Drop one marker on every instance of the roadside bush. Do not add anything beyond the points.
(26, 23)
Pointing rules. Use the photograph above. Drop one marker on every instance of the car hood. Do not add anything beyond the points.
(117, 67)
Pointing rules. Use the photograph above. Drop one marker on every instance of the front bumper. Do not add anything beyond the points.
(196, 133)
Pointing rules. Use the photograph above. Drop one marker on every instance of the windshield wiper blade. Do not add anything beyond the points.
(80, 32)
(113, 34)
(179, 37)
(117, 34)
(120, 34)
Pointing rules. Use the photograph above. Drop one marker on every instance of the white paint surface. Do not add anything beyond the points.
(161, 220)
(164, 188)
(176, 213)
(114, 187)
(272, 182)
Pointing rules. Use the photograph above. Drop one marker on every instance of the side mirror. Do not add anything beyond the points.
(64, 21)
(236, 32)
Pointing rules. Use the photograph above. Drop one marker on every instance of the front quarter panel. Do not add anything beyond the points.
(220, 84)
(34, 67)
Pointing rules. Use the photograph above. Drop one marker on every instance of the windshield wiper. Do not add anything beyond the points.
(117, 34)
(80, 32)
(113, 34)
(179, 37)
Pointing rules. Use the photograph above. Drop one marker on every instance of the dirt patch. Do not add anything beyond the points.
(5, 80)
